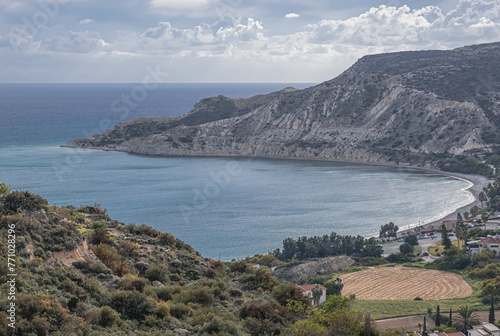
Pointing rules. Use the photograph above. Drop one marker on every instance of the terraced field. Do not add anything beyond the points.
(404, 283)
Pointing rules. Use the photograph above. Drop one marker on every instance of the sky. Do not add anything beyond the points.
(218, 41)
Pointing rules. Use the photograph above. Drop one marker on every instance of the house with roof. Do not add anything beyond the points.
(307, 290)
(440, 333)
(479, 245)
(485, 329)
(449, 225)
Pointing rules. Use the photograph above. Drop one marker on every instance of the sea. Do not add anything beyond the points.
(226, 208)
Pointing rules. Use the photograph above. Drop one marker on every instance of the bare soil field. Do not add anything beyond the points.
(404, 283)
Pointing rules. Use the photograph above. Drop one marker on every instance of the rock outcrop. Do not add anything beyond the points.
(400, 108)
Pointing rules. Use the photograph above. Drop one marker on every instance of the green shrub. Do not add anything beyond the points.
(449, 262)
(167, 239)
(100, 236)
(258, 327)
(180, 310)
(23, 200)
(111, 258)
(262, 309)
(218, 326)
(489, 272)
(96, 266)
(397, 258)
(286, 292)
(157, 272)
(162, 310)
(202, 295)
(80, 264)
(132, 304)
(167, 293)
(260, 279)
(132, 282)
(239, 266)
(108, 317)
(370, 261)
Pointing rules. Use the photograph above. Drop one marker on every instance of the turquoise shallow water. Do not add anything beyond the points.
(227, 208)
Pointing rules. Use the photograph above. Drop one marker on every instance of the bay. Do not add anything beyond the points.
(224, 207)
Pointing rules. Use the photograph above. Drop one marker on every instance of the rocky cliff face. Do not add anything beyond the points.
(400, 108)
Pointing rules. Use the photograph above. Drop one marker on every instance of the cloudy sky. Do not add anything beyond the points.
(225, 40)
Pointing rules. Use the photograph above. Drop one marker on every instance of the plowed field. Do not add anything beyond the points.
(404, 283)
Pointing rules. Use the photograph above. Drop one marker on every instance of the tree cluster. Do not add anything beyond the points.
(328, 245)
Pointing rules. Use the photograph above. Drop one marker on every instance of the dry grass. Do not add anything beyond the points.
(404, 283)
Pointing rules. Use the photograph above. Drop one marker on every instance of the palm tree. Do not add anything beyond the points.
(465, 319)
(316, 294)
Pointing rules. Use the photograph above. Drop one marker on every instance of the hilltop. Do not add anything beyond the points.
(421, 108)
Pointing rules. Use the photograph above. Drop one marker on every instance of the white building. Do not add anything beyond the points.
(307, 291)
(486, 329)
(490, 242)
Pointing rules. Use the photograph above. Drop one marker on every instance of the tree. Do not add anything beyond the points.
(485, 216)
(474, 211)
(372, 249)
(4, 189)
(438, 317)
(451, 318)
(445, 240)
(412, 240)
(334, 286)
(424, 329)
(491, 316)
(465, 319)
(482, 198)
(388, 230)
(461, 230)
(466, 215)
(316, 294)
(405, 248)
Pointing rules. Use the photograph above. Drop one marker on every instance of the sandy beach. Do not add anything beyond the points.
(478, 183)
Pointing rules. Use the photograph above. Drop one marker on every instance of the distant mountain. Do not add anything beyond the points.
(405, 108)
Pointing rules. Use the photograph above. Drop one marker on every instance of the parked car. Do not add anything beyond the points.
(451, 234)
(400, 240)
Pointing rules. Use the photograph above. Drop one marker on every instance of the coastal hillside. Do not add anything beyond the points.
(419, 107)
(75, 271)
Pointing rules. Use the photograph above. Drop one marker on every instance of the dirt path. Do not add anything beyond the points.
(410, 323)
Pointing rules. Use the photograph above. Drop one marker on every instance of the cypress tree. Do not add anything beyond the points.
(491, 316)
(449, 321)
(425, 324)
(445, 240)
(438, 317)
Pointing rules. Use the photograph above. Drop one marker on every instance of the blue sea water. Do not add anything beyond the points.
(227, 208)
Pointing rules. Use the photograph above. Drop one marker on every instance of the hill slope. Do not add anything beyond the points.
(404, 107)
(78, 272)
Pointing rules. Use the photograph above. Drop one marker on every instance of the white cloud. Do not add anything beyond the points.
(242, 49)
(77, 42)
(292, 15)
(86, 21)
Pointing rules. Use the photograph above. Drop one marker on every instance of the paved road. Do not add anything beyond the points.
(393, 247)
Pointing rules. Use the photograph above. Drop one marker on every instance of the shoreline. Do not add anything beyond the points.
(478, 181)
